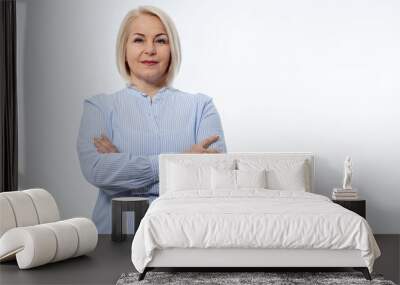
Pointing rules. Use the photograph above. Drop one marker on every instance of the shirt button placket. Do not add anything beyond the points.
(153, 109)
(152, 114)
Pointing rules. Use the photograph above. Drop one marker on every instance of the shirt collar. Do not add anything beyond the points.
(155, 97)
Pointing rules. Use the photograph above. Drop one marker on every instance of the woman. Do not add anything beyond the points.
(122, 134)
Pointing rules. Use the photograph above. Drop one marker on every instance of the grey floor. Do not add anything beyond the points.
(110, 260)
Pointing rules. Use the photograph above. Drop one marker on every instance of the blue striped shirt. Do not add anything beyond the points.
(141, 128)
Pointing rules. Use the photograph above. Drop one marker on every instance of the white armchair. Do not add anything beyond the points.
(32, 233)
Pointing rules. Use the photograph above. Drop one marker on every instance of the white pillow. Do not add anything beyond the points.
(189, 174)
(223, 179)
(282, 174)
(187, 177)
(227, 179)
(251, 178)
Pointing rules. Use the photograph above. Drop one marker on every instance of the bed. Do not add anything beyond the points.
(246, 210)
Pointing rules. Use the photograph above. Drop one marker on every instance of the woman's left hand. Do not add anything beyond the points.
(104, 145)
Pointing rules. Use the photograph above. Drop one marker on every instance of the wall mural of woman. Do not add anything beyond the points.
(122, 134)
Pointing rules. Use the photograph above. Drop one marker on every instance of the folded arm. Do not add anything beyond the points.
(111, 171)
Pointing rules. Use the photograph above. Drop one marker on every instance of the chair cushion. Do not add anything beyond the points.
(40, 244)
(7, 220)
(27, 208)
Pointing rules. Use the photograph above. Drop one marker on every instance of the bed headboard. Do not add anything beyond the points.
(165, 158)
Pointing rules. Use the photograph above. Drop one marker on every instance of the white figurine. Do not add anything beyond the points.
(348, 172)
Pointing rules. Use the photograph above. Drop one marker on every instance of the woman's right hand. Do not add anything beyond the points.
(202, 147)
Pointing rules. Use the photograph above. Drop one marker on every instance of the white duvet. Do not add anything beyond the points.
(251, 218)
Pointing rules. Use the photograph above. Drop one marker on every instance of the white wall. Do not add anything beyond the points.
(320, 76)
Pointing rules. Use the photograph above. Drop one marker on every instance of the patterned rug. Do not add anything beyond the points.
(270, 278)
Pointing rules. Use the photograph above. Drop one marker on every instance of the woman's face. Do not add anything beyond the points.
(148, 51)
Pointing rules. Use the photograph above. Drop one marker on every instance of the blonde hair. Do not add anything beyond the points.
(173, 38)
